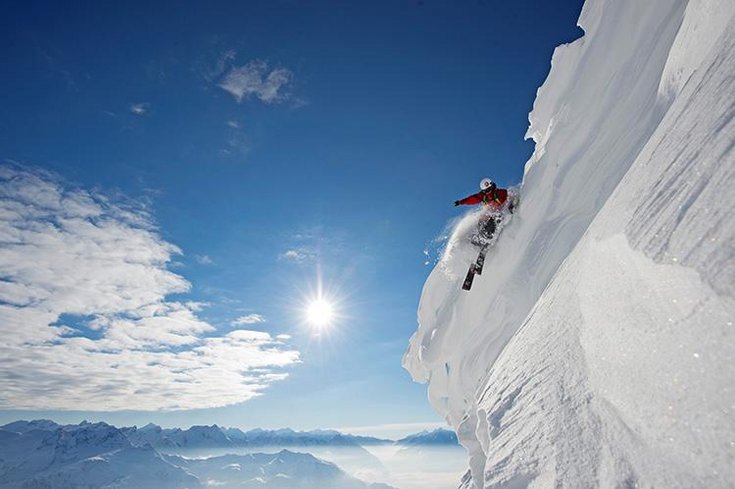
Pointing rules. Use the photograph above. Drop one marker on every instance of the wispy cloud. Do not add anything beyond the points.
(211, 72)
(203, 259)
(237, 141)
(140, 108)
(298, 255)
(312, 244)
(249, 319)
(85, 321)
(257, 79)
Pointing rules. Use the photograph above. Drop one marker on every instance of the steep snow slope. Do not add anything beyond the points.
(598, 350)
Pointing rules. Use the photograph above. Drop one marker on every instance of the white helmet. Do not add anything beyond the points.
(487, 184)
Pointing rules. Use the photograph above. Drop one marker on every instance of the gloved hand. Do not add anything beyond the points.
(456, 203)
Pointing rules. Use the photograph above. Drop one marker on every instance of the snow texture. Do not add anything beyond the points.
(596, 350)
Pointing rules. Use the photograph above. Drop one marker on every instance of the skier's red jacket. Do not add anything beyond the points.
(491, 198)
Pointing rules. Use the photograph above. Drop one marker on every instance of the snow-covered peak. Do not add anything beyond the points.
(194, 437)
(437, 437)
(95, 436)
(84, 455)
(600, 328)
(151, 427)
(23, 426)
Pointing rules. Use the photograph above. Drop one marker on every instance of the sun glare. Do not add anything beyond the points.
(320, 313)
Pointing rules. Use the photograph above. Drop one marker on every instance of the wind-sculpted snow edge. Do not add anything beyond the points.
(597, 111)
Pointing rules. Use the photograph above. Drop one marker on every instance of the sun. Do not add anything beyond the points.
(320, 313)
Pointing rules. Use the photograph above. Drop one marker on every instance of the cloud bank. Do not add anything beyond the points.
(85, 322)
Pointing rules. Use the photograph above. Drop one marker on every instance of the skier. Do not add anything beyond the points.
(495, 200)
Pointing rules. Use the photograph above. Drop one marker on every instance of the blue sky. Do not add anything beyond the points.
(277, 145)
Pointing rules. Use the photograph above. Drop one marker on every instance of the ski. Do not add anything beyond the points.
(467, 284)
(481, 260)
(475, 268)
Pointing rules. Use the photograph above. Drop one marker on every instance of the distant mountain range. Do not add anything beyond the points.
(217, 436)
(42, 454)
(39, 455)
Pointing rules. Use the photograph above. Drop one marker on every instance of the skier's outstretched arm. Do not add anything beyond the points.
(472, 199)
